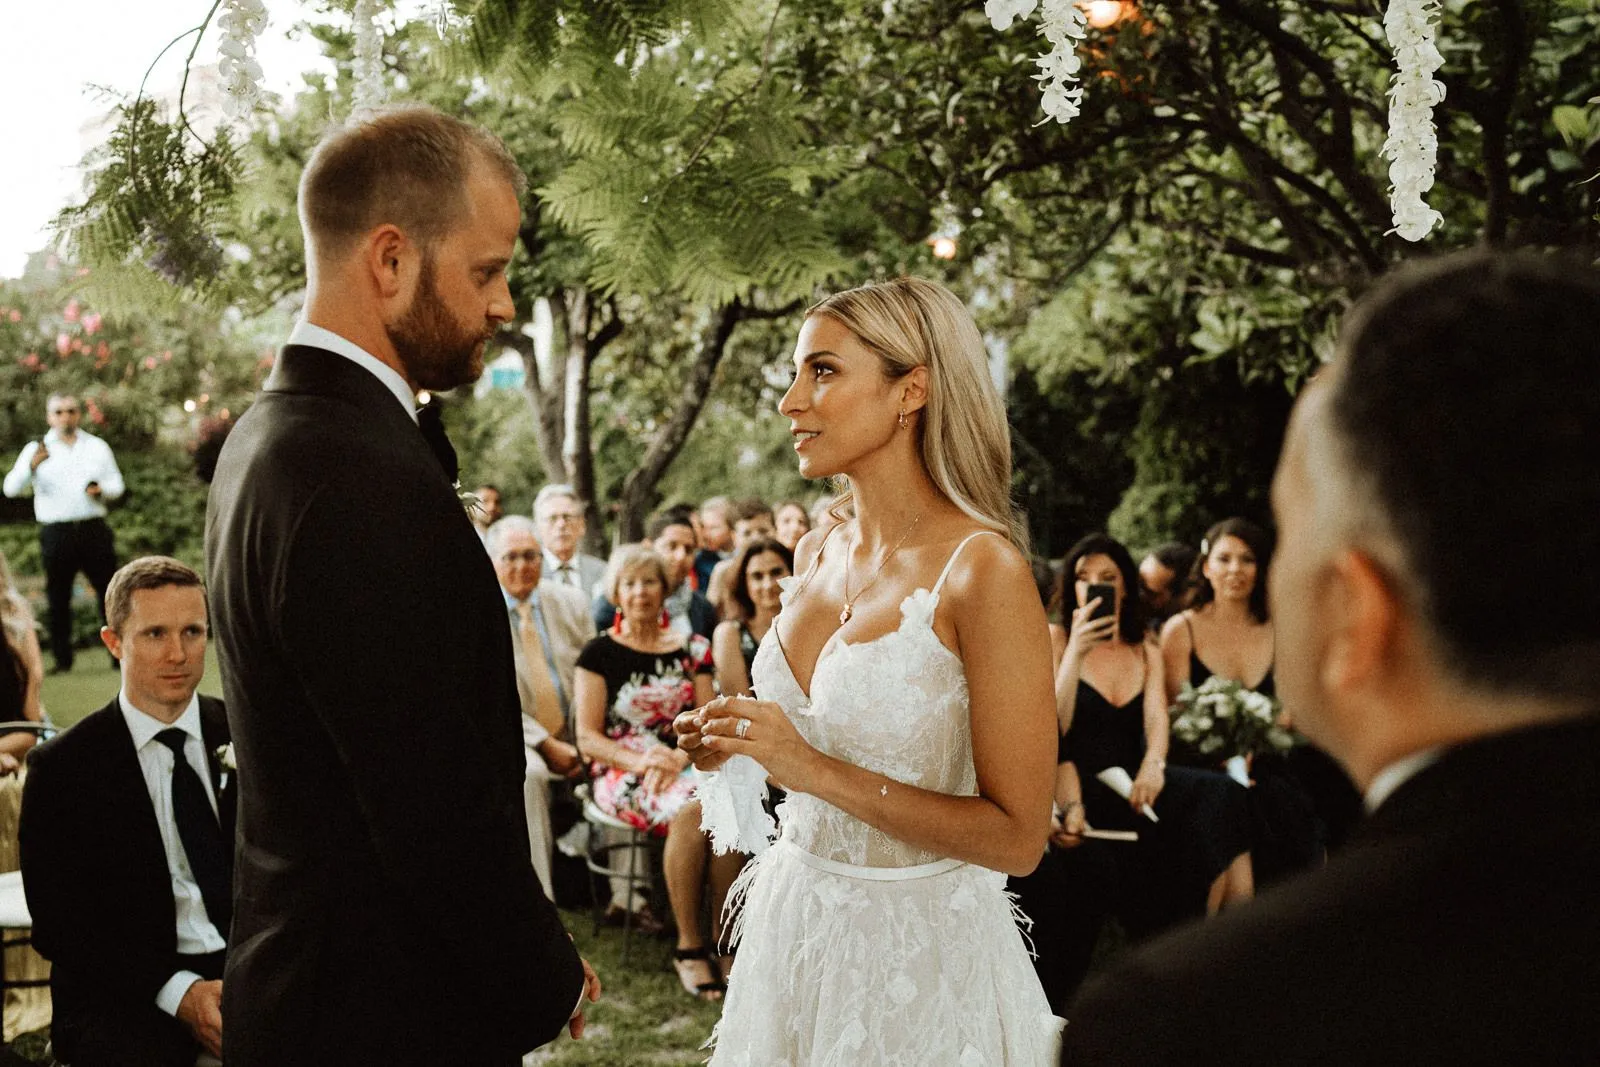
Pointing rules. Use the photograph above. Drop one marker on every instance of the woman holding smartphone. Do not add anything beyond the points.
(1111, 703)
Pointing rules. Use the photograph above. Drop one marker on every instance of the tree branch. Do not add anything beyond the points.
(640, 485)
(1496, 118)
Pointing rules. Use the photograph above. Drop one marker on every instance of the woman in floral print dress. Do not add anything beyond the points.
(629, 686)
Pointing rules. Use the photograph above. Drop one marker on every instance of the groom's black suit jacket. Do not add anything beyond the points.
(386, 909)
(1460, 925)
(100, 892)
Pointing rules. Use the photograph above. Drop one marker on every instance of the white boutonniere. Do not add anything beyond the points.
(225, 760)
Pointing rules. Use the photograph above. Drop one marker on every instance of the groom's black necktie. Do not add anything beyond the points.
(431, 422)
(200, 834)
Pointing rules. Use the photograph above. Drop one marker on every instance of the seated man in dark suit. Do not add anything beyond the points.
(127, 850)
(1435, 593)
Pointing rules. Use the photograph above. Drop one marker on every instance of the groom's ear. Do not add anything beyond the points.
(393, 261)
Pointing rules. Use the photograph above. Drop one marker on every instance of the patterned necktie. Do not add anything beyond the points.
(430, 420)
(200, 834)
(549, 703)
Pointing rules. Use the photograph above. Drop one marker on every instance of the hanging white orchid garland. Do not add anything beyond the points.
(1412, 147)
(1063, 23)
(367, 67)
(241, 22)
(1413, 144)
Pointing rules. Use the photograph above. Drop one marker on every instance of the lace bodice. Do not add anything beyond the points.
(896, 705)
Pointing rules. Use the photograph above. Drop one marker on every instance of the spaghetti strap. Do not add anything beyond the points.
(816, 561)
(951, 562)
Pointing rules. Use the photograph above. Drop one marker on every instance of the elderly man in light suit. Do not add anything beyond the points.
(550, 624)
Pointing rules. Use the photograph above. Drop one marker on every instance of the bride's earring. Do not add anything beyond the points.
(902, 418)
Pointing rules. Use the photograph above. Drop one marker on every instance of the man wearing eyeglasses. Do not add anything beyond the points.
(549, 625)
(561, 526)
(71, 475)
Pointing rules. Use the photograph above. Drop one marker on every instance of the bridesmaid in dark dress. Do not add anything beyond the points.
(1301, 802)
(1112, 706)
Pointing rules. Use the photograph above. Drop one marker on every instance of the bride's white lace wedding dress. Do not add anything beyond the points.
(855, 948)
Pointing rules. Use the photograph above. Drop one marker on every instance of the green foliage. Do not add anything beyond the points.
(158, 213)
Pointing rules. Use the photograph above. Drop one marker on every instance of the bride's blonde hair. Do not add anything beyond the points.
(963, 436)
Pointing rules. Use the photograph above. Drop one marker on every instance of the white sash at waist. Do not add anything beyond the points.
(871, 874)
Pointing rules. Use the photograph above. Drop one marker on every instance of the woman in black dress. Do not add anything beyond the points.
(1112, 705)
(1301, 803)
(748, 610)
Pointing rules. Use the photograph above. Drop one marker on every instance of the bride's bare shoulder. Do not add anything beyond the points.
(988, 564)
(810, 544)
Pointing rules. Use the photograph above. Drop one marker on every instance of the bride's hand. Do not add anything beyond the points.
(770, 738)
(687, 727)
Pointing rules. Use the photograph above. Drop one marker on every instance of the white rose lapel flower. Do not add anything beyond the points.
(225, 760)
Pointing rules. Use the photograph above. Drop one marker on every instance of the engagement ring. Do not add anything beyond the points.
(742, 729)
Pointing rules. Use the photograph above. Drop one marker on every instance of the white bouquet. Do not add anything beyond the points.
(1222, 719)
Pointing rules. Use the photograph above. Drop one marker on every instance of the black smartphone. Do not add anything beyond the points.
(1107, 595)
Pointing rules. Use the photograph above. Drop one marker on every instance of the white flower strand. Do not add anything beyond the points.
(367, 67)
(1063, 23)
(1412, 147)
(241, 23)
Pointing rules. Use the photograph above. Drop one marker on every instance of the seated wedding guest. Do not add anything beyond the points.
(630, 684)
(713, 530)
(487, 511)
(752, 520)
(1111, 703)
(1069, 895)
(550, 624)
(753, 601)
(791, 522)
(127, 841)
(1435, 592)
(1164, 579)
(21, 671)
(1048, 583)
(27, 1008)
(1225, 629)
(558, 511)
(671, 534)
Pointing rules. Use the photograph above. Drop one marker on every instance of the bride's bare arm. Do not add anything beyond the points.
(1004, 642)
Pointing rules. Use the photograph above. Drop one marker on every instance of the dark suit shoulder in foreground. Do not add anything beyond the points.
(1462, 926)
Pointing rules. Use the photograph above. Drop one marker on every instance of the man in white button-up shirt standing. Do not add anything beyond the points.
(71, 474)
(127, 841)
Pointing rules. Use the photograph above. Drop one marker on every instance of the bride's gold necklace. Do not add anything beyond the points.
(850, 601)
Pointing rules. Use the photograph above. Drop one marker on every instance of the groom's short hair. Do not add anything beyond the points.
(406, 165)
(1466, 414)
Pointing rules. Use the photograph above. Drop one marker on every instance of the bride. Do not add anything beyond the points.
(906, 705)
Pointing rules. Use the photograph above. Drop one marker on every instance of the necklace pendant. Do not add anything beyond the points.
(844, 616)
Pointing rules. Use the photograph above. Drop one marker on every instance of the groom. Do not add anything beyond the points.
(386, 909)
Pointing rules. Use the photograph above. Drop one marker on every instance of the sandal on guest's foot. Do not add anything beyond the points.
(684, 961)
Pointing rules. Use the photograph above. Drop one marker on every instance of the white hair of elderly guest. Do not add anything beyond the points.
(507, 526)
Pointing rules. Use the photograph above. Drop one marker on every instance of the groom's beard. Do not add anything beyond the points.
(438, 352)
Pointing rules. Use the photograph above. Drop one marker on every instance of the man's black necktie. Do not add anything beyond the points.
(430, 421)
(200, 834)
